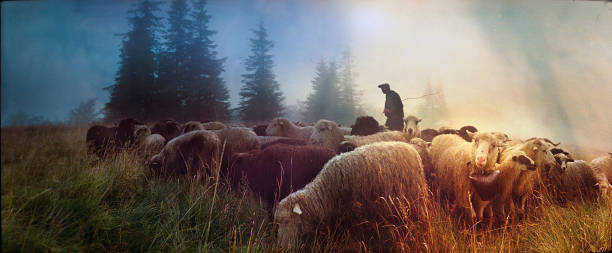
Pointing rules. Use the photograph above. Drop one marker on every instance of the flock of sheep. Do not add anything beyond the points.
(324, 176)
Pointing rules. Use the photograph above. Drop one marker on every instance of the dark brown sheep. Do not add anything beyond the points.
(168, 128)
(260, 130)
(267, 141)
(428, 134)
(365, 125)
(104, 141)
(275, 172)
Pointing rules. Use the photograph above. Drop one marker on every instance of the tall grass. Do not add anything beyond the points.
(56, 197)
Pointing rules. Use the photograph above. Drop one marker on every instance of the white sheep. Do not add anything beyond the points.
(411, 126)
(353, 187)
(455, 159)
(326, 134)
(284, 127)
(152, 145)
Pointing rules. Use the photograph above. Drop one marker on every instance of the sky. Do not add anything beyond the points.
(528, 68)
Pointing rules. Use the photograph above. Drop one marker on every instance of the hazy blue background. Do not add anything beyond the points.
(525, 67)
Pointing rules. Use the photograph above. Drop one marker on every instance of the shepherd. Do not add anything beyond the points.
(394, 108)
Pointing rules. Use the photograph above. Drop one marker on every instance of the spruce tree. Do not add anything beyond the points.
(173, 67)
(208, 97)
(349, 105)
(261, 98)
(135, 92)
(322, 102)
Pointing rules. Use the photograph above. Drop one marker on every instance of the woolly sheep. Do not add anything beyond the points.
(193, 152)
(428, 134)
(284, 127)
(539, 151)
(267, 141)
(455, 159)
(411, 126)
(152, 144)
(351, 142)
(354, 187)
(327, 134)
(496, 188)
(365, 125)
(422, 147)
(236, 140)
(580, 181)
(103, 141)
(168, 128)
(603, 164)
(213, 125)
(192, 126)
(276, 171)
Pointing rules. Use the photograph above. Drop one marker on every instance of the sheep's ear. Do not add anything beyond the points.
(522, 159)
(610, 153)
(419, 120)
(428, 144)
(296, 209)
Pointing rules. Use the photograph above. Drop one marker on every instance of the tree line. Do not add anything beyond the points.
(170, 68)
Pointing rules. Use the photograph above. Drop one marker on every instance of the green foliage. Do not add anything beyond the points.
(136, 90)
(260, 96)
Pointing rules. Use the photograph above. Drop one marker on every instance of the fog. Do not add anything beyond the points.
(528, 68)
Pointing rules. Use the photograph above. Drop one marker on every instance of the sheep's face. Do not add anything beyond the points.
(540, 152)
(411, 125)
(192, 126)
(327, 134)
(562, 159)
(141, 132)
(485, 148)
(277, 127)
(157, 162)
(289, 218)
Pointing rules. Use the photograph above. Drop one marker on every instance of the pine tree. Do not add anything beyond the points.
(135, 91)
(173, 67)
(322, 102)
(208, 98)
(85, 113)
(261, 98)
(349, 106)
(433, 109)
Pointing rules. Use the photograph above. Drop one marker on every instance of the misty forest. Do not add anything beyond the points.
(306, 126)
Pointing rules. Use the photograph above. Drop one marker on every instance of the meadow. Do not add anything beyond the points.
(58, 198)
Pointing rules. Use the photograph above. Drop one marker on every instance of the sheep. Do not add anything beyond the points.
(284, 127)
(455, 159)
(365, 125)
(213, 125)
(345, 130)
(580, 181)
(260, 130)
(603, 164)
(428, 134)
(411, 126)
(539, 151)
(353, 188)
(236, 140)
(463, 132)
(496, 188)
(190, 153)
(352, 142)
(422, 147)
(267, 141)
(276, 171)
(152, 145)
(192, 126)
(168, 128)
(327, 134)
(103, 141)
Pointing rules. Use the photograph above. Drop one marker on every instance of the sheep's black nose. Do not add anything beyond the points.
(409, 130)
